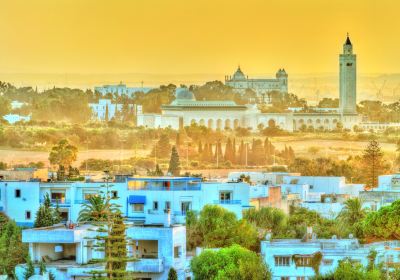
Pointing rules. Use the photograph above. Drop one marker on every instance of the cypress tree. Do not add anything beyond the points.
(234, 150)
(30, 269)
(106, 117)
(162, 148)
(200, 148)
(178, 140)
(210, 152)
(174, 163)
(172, 275)
(45, 215)
(373, 163)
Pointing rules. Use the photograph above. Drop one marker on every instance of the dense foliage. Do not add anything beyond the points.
(46, 215)
(216, 227)
(233, 262)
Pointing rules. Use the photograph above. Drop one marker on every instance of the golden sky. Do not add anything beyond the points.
(202, 36)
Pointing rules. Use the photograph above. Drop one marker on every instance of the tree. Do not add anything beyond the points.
(217, 227)
(96, 209)
(106, 115)
(352, 214)
(63, 154)
(234, 262)
(5, 106)
(174, 163)
(162, 148)
(111, 238)
(384, 223)
(267, 219)
(12, 250)
(172, 275)
(30, 269)
(373, 163)
(46, 215)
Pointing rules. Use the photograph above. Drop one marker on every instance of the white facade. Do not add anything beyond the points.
(348, 79)
(100, 109)
(67, 252)
(13, 118)
(186, 110)
(120, 89)
(239, 82)
(142, 199)
(386, 193)
(291, 259)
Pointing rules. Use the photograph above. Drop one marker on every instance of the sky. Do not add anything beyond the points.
(182, 37)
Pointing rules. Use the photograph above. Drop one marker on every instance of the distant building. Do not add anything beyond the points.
(239, 82)
(295, 259)
(120, 89)
(105, 109)
(17, 104)
(25, 174)
(13, 118)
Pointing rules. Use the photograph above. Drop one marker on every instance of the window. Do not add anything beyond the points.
(27, 215)
(177, 251)
(282, 261)
(167, 205)
(186, 206)
(225, 196)
(155, 205)
(17, 193)
(87, 196)
(303, 261)
(138, 207)
(349, 64)
(114, 194)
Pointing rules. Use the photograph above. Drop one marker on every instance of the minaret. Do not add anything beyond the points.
(348, 97)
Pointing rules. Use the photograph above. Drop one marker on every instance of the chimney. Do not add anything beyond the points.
(167, 218)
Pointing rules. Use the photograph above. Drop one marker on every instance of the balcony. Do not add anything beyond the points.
(81, 201)
(147, 266)
(229, 202)
(61, 202)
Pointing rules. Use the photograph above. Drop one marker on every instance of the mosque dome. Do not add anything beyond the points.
(239, 76)
(184, 94)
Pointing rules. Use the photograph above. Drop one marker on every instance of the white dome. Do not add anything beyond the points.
(239, 76)
(184, 94)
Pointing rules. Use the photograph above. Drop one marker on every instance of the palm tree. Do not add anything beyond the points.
(97, 209)
(352, 212)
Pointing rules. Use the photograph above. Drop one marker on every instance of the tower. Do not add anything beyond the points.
(347, 83)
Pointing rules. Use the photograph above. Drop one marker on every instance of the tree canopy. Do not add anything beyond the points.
(233, 262)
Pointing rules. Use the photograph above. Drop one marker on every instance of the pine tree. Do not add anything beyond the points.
(162, 148)
(116, 248)
(218, 152)
(111, 240)
(373, 163)
(46, 215)
(30, 269)
(174, 163)
(158, 171)
(242, 153)
(172, 275)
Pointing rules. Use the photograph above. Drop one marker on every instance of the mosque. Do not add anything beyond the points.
(186, 110)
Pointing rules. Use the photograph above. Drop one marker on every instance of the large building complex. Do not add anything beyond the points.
(240, 83)
(186, 110)
(120, 89)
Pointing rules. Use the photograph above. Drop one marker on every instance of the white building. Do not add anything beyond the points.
(15, 104)
(292, 259)
(67, 252)
(13, 118)
(142, 200)
(388, 191)
(239, 82)
(186, 110)
(106, 109)
(120, 89)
